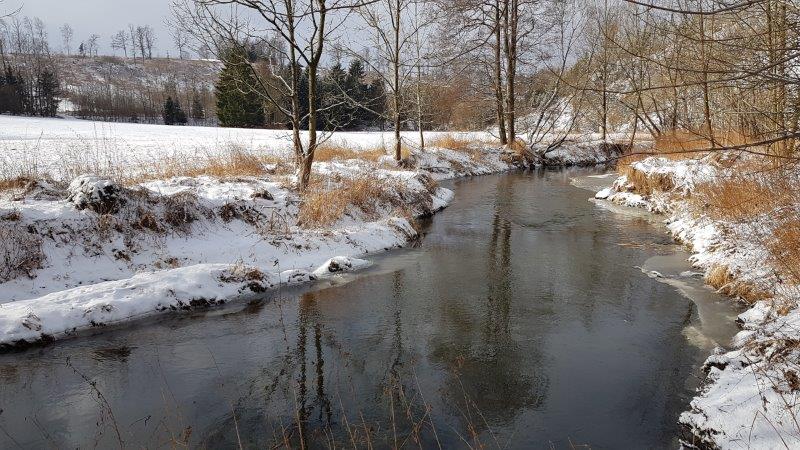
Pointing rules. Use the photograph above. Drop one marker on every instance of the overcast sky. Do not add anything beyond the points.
(103, 17)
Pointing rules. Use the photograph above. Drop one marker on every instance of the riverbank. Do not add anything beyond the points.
(99, 251)
(733, 214)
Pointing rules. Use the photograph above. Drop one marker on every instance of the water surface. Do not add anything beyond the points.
(523, 320)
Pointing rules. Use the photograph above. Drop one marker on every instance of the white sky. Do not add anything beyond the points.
(103, 17)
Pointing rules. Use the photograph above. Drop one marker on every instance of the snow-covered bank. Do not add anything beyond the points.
(92, 252)
(750, 398)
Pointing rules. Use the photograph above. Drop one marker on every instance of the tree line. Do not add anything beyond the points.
(347, 100)
(29, 85)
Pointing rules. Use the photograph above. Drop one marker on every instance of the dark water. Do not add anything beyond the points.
(521, 321)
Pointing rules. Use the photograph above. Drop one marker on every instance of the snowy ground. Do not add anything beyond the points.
(752, 394)
(87, 252)
(64, 147)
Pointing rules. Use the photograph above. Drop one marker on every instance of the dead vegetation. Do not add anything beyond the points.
(233, 163)
(326, 201)
(332, 151)
(678, 145)
(21, 251)
(726, 282)
(646, 184)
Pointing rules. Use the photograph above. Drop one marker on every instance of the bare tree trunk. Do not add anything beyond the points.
(498, 76)
(511, 17)
(316, 46)
(398, 143)
(706, 94)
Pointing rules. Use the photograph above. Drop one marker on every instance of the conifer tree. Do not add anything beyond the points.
(357, 89)
(47, 91)
(180, 114)
(169, 112)
(197, 111)
(238, 102)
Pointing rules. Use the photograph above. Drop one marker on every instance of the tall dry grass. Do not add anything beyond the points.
(333, 151)
(761, 196)
(325, 202)
(678, 145)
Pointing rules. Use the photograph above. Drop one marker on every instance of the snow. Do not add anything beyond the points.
(63, 313)
(58, 146)
(101, 253)
(750, 397)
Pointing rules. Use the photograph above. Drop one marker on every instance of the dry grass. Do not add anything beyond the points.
(725, 282)
(680, 145)
(742, 197)
(14, 183)
(233, 163)
(452, 142)
(331, 151)
(21, 251)
(323, 206)
(647, 184)
(785, 249)
(462, 144)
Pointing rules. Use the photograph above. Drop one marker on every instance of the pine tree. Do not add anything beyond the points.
(376, 96)
(180, 114)
(238, 104)
(197, 111)
(20, 101)
(357, 90)
(5, 94)
(336, 113)
(48, 91)
(169, 112)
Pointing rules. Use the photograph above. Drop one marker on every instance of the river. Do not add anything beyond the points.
(527, 317)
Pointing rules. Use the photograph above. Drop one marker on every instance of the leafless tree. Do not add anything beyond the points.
(92, 45)
(181, 40)
(133, 41)
(296, 30)
(120, 42)
(67, 34)
(394, 28)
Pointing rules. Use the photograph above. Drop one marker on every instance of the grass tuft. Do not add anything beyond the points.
(325, 205)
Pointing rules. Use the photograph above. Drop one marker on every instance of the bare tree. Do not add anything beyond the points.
(149, 40)
(67, 34)
(132, 35)
(392, 34)
(296, 30)
(92, 45)
(120, 42)
(181, 40)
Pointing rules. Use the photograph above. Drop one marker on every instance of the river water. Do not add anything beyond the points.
(528, 317)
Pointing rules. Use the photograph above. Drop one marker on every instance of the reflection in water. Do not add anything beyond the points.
(520, 322)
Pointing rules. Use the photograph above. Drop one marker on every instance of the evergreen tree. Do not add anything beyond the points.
(169, 112)
(5, 94)
(336, 112)
(20, 101)
(48, 91)
(376, 99)
(357, 90)
(238, 104)
(302, 94)
(197, 111)
(180, 114)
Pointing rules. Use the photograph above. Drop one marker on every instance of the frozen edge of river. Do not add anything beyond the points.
(750, 396)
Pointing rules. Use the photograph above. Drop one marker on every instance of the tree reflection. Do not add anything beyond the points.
(490, 378)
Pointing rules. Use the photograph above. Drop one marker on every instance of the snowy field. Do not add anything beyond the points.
(62, 147)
